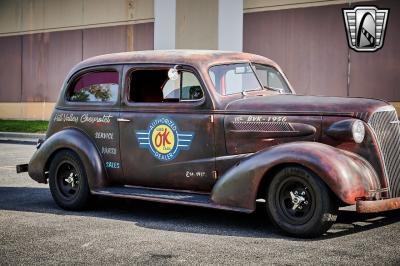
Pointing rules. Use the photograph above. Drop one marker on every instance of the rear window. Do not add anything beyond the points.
(95, 87)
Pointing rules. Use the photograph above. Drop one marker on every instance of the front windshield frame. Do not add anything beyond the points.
(259, 86)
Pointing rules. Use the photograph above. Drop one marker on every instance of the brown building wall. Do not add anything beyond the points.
(143, 36)
(104, 41)
(61, 44)
(33, 66)
(10, 68)
(310, 45)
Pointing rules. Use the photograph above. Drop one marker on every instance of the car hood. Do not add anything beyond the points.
(299, 104)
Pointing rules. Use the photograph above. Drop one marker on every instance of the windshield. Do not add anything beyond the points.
(234, 78)
(271, 78)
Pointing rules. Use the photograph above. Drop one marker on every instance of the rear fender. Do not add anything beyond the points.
(80, 143)
(348, 175)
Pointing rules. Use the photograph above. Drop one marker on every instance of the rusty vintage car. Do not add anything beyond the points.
(220, 130)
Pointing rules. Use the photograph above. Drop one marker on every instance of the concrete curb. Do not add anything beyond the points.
(20, 138)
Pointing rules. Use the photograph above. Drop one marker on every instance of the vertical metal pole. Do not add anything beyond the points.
(348, 65)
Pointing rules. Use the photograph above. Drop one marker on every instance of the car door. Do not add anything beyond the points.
(91, 104)
(166, 130)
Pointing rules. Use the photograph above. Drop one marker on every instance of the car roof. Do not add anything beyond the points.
(197, 58)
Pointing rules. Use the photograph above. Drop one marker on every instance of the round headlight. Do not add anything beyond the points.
(358, 131)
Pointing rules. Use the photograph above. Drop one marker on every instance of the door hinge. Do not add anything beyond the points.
(214, 175)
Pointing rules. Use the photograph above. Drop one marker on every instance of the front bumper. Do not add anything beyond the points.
(373, 206)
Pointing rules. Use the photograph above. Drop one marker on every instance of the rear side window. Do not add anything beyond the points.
(95, 87)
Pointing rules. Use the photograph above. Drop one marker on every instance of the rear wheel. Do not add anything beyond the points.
(299, 203)
(68, 182)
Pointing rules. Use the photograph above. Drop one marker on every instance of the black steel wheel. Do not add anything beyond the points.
(68, 182)
(300, 203)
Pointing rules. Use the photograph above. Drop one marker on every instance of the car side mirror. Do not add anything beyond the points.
(173, 73)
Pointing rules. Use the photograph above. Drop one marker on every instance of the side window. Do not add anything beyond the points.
(155, 86)
(186, 88)
(94, 87)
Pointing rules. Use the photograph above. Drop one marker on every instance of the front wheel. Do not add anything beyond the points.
(68, 182)
(300, 203)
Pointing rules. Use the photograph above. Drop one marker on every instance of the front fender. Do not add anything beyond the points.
(76, 141)
(348, 175)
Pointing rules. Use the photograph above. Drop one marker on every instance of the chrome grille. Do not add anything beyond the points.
(385, 124)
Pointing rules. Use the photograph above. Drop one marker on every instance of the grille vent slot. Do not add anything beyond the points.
(263, 126)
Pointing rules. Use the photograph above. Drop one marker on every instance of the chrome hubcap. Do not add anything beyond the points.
(298, 199)
(72, 179)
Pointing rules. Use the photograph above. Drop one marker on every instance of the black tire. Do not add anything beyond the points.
(68, 181)
(300, 204)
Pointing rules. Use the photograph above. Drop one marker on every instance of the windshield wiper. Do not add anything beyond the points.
(281, 91)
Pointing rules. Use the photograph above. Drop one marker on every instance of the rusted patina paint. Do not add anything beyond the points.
(348, 175)
(238, 140)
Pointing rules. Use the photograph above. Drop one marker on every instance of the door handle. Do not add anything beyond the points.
(123, 120)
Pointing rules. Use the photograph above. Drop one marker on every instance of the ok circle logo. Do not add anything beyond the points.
(163, 139)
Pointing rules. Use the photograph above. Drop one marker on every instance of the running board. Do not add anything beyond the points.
(165, 196)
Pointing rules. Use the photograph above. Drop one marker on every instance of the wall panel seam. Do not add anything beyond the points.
(86, 26)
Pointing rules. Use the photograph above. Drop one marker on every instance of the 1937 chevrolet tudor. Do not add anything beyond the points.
(220, 130)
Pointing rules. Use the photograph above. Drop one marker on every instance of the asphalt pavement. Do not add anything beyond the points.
(34, 230)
